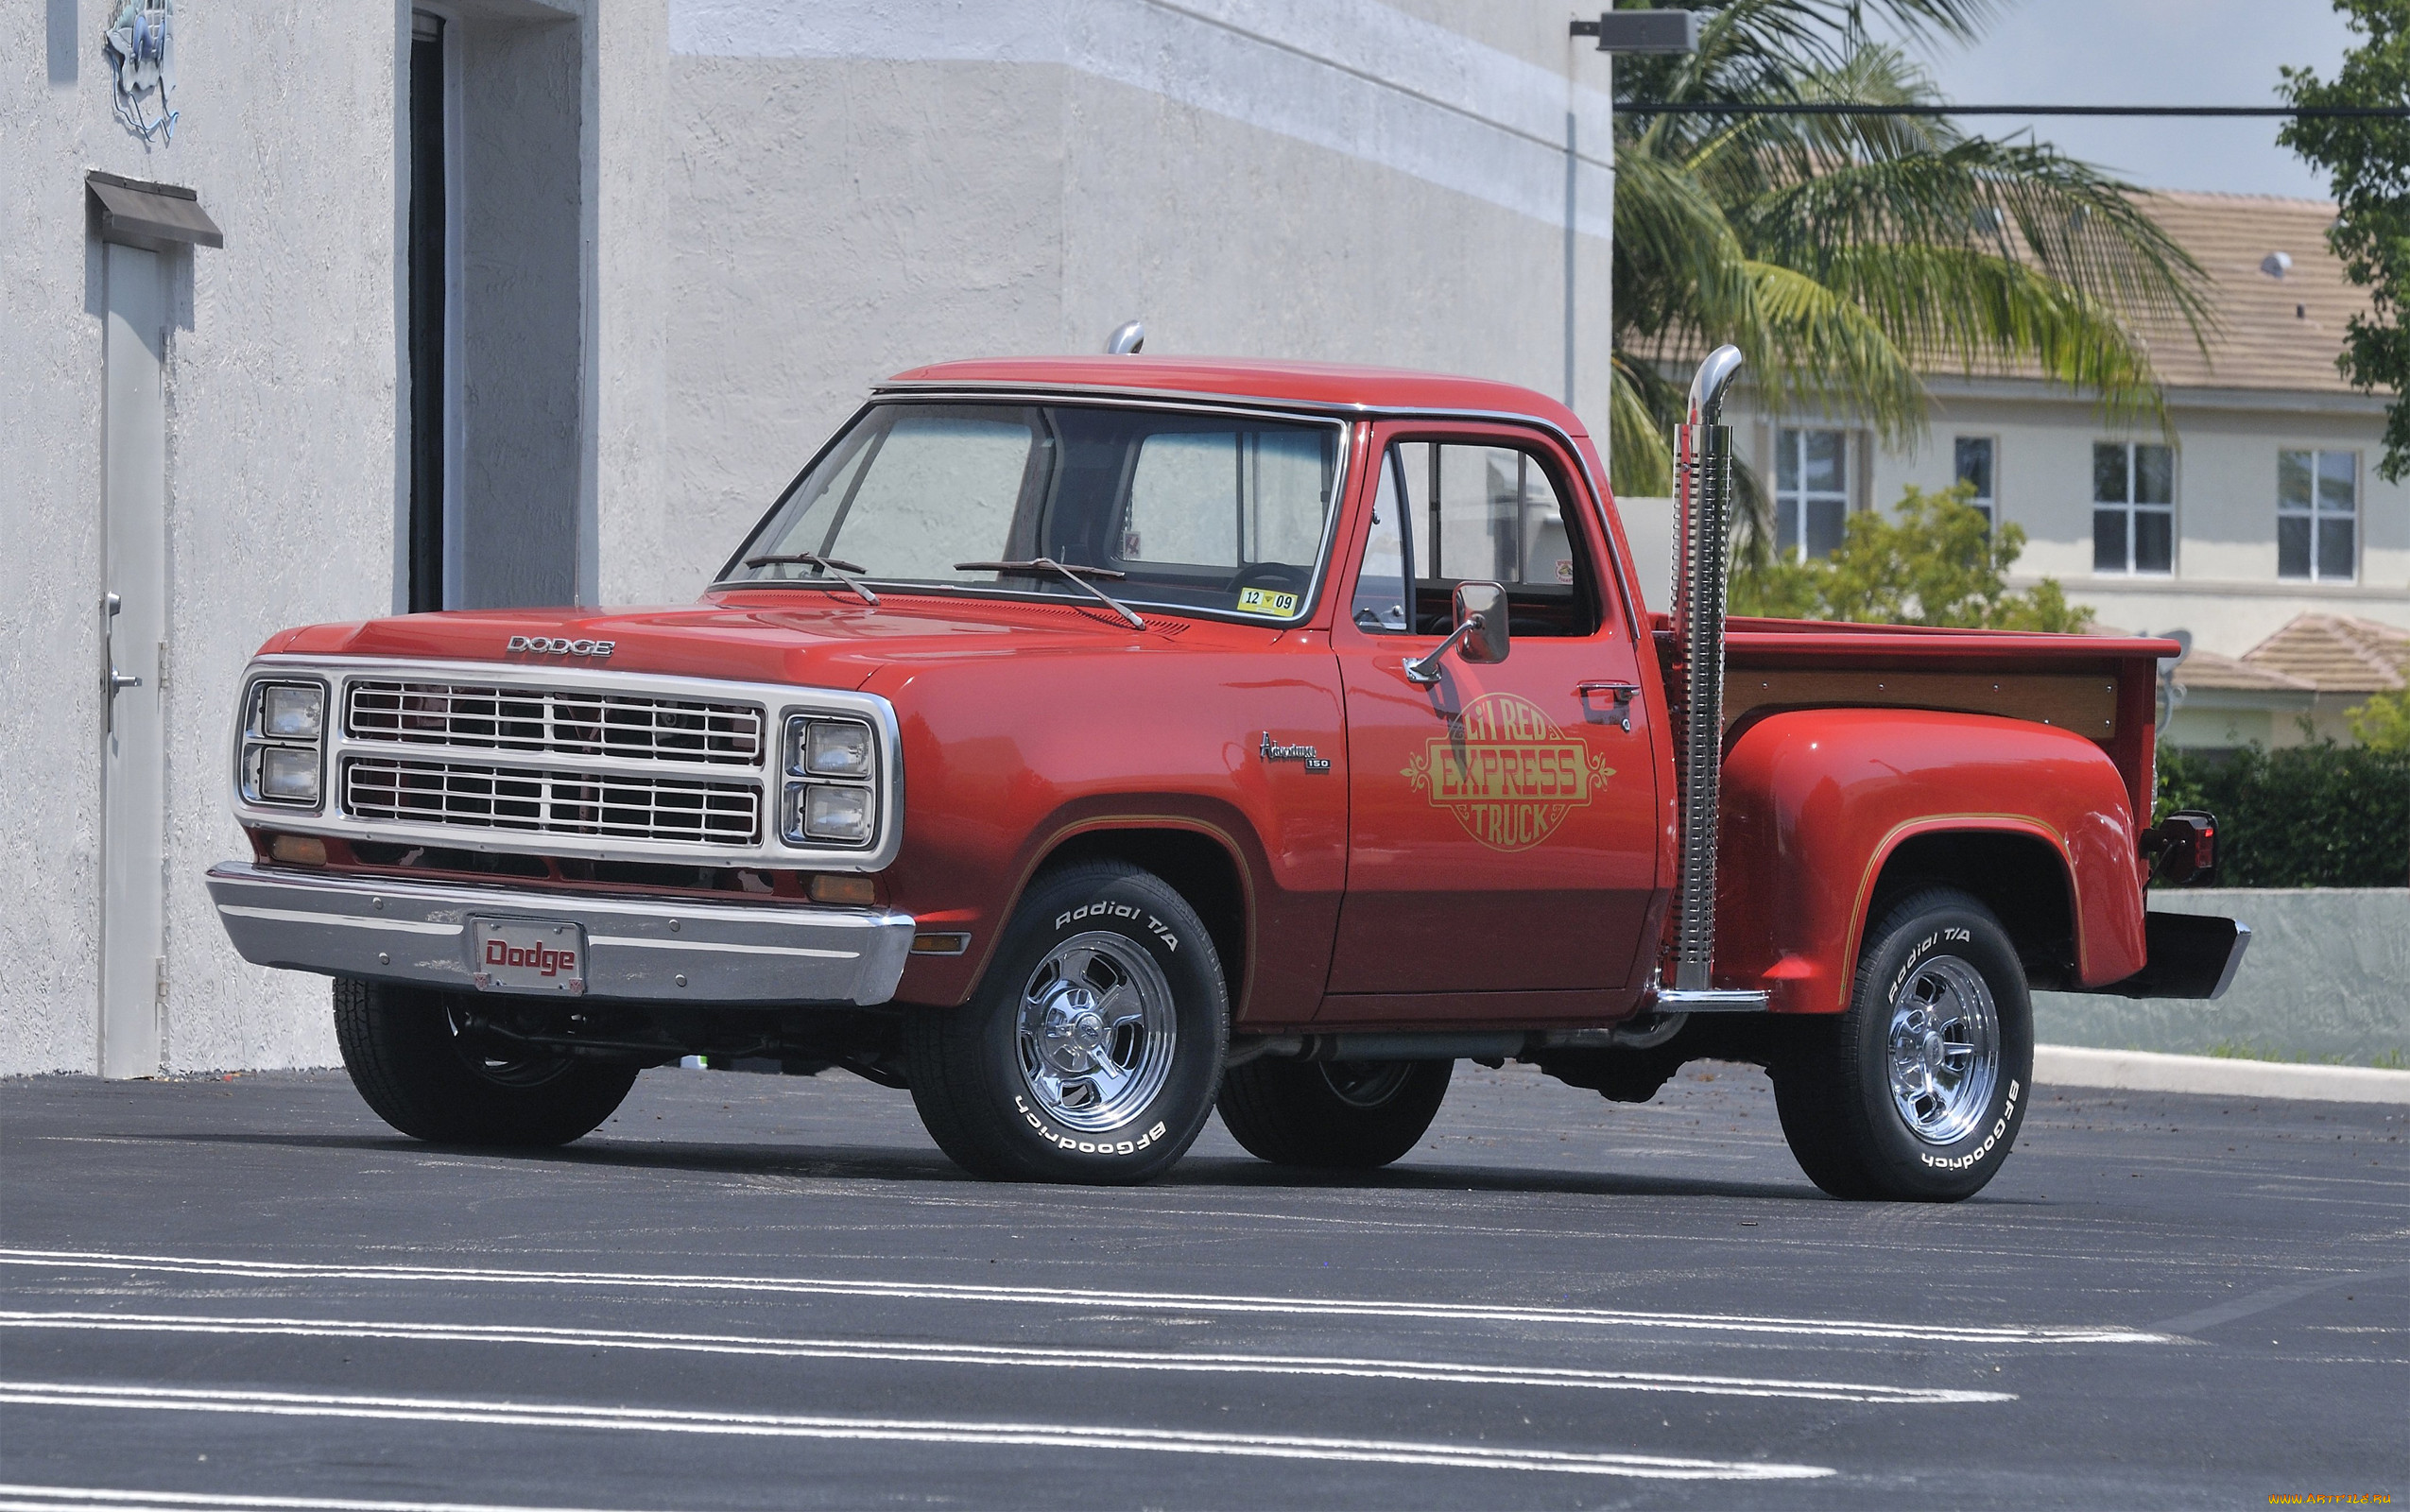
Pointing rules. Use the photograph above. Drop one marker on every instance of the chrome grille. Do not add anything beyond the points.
(476, 796)
(555, 721)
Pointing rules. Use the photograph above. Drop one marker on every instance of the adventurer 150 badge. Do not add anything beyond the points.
(1508, 772)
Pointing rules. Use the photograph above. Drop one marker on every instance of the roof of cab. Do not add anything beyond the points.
(1318, 384)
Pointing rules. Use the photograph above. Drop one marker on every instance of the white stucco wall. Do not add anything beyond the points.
(280, 372)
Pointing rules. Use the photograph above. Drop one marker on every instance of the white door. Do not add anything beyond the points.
(133, 621)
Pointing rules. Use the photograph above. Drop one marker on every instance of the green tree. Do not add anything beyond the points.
(2382, 723)
(2368, 161)
(1845, 255)
(1940, 563)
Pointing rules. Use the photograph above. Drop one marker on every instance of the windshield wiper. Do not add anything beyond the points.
(1078, 576)
(830, 565)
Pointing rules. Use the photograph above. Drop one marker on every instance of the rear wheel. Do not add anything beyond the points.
(1916, 1092)
(418, 1064)
(1092, 1047)
(1337, 1115)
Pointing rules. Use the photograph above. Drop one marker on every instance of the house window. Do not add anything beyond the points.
(1810, 491)
(1974, 455)
(2133, 508)
(2317, 514)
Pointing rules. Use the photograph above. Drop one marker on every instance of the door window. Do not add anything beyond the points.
(1446, 512)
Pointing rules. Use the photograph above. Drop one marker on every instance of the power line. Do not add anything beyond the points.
(1737, 108)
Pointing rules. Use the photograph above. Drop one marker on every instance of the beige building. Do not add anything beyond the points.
(2263, 506)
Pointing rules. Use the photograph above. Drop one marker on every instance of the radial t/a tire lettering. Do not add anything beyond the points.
(1336, 1115)
(407, 1054)
(1916, 1092)
(1092, 1048)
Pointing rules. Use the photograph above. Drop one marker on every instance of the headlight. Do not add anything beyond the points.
(284, 734)
(291, 711)
(844, 814)
(836, 747)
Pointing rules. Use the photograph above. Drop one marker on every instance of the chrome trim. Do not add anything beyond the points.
(1703, 481)
(1307, 414)
(1712, 1000)
(778, 702)
(638, 949)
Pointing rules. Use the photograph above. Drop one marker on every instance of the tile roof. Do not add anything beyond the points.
(2206, 669)
(2279, 331)
(2338, 653)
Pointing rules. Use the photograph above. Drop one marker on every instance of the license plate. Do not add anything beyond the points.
(528, 955)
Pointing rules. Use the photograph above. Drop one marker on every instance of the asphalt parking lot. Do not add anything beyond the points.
(751, 1292)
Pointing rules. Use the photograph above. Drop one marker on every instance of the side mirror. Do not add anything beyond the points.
(1483, 606)
(1480, 636)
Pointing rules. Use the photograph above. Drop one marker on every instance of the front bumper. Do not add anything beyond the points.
(381, 929)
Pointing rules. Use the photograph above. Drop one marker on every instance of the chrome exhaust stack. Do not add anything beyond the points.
(1703, 483)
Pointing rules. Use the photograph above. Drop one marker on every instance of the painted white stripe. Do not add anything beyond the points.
(894, 1430)
(1073, 1296)
(1057, 1357)
(301, 915)
(83, 1498)
(1356, 77)
(637, 943)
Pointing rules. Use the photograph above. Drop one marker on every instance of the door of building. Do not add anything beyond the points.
(1503, 829)
(133, 611)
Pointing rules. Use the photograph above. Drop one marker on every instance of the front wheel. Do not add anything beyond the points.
(1339, 1115)
(1916, 1092)
(1092, 1048)
(424, 1068)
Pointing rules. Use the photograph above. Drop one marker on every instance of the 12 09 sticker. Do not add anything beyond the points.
(1267, 601)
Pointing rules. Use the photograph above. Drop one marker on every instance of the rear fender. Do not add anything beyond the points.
(1817, 801)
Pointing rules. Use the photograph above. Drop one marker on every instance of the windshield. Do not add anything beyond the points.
(1187, 512)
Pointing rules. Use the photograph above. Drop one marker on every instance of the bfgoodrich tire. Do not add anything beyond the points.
(420, 1074)
(1337, 1115)
(1916, 1092)
(1092, 1050)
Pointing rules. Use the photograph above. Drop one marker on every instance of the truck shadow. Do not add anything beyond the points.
(875, 1163)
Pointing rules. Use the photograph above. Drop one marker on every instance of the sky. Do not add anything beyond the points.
(2152, 52)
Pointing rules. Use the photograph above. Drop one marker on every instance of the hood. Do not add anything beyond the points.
(813, 639)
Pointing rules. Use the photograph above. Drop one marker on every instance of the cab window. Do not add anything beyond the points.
(1446, 512)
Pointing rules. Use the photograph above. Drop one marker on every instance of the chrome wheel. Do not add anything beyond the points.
(1366, 1083)
(1945, 1050)
(1097, 1028)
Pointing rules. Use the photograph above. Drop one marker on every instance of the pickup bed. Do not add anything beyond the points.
(1085, 743)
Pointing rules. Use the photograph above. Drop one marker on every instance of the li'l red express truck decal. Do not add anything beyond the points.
(1508, 772)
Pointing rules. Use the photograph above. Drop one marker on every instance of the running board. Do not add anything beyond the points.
(1710, 1000)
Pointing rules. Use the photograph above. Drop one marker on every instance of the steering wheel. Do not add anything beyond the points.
(1268, 575)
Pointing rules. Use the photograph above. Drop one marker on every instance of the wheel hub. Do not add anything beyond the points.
(1944, 1050)
(1095, 1029)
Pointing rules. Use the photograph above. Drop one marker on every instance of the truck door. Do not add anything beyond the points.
(1503, 829)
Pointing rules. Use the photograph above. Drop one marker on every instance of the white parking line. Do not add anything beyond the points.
(895, 1429)
(1058, 1357)
(1073, 1296)
(85, 1498)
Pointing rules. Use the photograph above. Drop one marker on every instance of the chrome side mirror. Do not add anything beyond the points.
(1480, 637)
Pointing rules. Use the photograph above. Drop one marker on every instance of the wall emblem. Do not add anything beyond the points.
(1506, 772)
(142, 55)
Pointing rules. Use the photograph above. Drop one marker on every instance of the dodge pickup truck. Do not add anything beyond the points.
(1085, 743)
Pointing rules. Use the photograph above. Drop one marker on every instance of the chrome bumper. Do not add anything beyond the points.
(636, 949)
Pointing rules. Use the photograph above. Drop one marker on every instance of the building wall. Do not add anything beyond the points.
(281, 394)
(2225, 587)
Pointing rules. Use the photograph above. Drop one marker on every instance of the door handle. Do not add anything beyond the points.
(112, 681)
(1623, 693)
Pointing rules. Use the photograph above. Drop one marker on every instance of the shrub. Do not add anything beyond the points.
(2383, 722)
(2317, 815)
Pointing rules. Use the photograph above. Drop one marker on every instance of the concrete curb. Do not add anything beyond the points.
(2146, 1071)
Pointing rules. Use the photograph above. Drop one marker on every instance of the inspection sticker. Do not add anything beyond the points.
(1266, 600)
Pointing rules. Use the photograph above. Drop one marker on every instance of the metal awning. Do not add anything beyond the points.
(150, 214)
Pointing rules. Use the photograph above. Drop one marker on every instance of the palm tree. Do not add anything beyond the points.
(1843, 255)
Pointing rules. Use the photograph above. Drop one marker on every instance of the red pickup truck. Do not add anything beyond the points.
(1086, 743)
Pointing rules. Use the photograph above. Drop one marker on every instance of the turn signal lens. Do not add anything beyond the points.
(298, 850)
(841, 813)
(858, 891)
(836, 748)
(292, 710)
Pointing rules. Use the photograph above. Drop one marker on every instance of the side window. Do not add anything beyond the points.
(1446, 512)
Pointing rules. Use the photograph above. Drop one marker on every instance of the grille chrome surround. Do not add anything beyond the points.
(532, 800)
(569, 762)
(552, 721)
